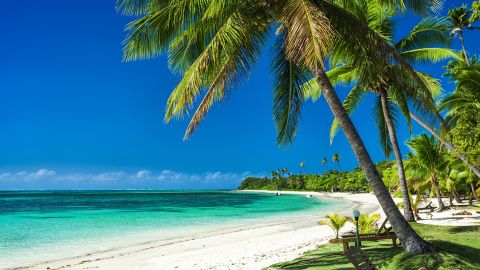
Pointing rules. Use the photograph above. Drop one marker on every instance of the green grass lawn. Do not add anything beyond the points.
(456, 248)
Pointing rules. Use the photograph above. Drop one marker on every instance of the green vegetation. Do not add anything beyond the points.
(334, 221)
(345, 181)
(366, 223)
(455, 248)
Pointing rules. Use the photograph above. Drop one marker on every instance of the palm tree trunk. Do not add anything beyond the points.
(462, 156)
(441, 206)
(407, 209)
(443, 123)
(460, 36)
(411, 241)
(457, 198)
(472, 186)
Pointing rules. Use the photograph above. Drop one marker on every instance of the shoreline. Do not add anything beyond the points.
(362, 201)
(253, 246)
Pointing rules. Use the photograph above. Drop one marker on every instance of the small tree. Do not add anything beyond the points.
(336, 159)
(334, 221)
(366, 223)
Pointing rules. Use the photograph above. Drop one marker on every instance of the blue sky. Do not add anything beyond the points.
(74, 116)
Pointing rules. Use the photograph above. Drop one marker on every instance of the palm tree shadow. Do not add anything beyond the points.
(463, 229)
(466, 252)
(316, 260)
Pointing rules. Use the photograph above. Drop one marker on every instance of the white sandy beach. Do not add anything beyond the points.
(253, 246)
(249, 247)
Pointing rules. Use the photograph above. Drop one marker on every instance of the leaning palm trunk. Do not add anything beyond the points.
(434, 181)
(474, 192)
(460, 36)
(457, 198)
(462, 156)
(409, 238)
(407, 209)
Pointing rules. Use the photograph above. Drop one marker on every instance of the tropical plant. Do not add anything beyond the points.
(428, 163)
(457, 180)
(335, 221)
(214, 44)
(391, 179)
(462, 18)
(336, 159)
(324, 162)
(463, 111)
(366, 223)
(416, 203)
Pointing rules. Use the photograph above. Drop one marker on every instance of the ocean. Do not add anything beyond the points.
(48, 225)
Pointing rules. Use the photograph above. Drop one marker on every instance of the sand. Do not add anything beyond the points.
(250, 247)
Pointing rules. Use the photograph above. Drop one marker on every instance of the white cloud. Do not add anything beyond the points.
(41, 174)
(22, 173)
(138, 179)
(5, 175)
(143, 174)
(110, 176)
(73, 177)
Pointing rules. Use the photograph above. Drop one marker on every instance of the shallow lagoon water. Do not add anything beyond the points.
(49, 224)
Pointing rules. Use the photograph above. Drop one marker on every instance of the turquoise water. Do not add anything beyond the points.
(32, 223)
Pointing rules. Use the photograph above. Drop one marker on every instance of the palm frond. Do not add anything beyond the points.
(151, 34)
(137, 7)
(343, 74)
(308, 33)
(351, 102)
(381, 124)
(397, 96)
(422, 7)
(429, 55)
(239, 39)
(287, 91)
(430, 31)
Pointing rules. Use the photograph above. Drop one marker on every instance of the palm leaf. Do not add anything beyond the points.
(308, 33)
(288, 93)
(430, 31)
(426, 55)
(351, 102)
(343, 75)
(239, 39)
(381, 124)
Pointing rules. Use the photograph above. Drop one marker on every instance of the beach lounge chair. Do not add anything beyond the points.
(428, 207)
(359, 259)
(382, 234)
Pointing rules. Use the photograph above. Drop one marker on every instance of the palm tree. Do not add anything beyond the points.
(462, 18)
(336, 159)
(428, 163)
(214, 44)
(415, 203)
(465, 100)
(415, 47)
(466, 97)
(447, 144)
(455, 180)
(324, 162)
(334, 221)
